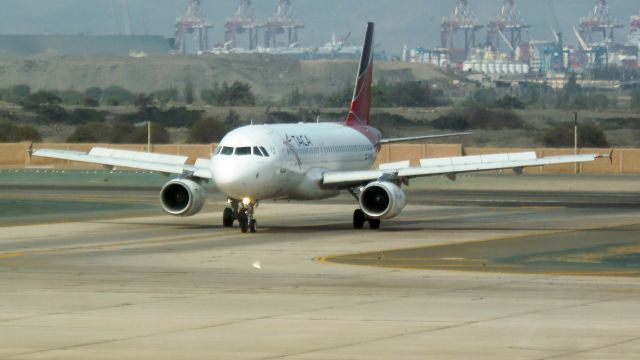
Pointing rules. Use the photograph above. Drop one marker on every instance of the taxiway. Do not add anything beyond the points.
(158, 287)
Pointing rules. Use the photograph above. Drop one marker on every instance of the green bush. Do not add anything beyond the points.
(590, 101)
(20, 91)
(165, 96)
(121, 132)
(589, 135)
(209, 96)
(389, 120)
(452, 121)
(189, 92)
(81, 116)
(207, 131)
(635, 100)
(172, 117)
(94, 93)
(509, 102)
(485, 97)
(116, 95)
(10, 132)
(476, 117)
(91, 132)
(46, 105)
(340, 98)
(70, 97)
(238, 94)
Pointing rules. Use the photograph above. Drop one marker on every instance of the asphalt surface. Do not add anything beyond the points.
(138, 284)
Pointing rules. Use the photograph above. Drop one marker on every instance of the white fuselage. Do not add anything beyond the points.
(262, 162)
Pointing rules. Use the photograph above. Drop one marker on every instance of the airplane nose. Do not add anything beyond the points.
(235, 177)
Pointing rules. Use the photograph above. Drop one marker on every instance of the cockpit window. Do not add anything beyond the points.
(256, 151)
(226, 150)
(242, 151)
(217, 150)
(264, 151)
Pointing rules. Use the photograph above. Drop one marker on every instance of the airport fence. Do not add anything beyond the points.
(625, 161)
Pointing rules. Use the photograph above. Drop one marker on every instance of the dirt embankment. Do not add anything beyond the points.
(271, 77)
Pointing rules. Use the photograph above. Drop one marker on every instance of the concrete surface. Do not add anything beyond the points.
(170, 288)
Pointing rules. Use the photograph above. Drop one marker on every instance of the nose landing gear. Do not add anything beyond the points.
(244, 215)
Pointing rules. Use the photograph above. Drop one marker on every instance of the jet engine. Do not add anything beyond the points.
(182, 197)
(382, 200)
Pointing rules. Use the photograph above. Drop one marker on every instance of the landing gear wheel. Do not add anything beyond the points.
(374, 224)
(227, 218)
(358, 219)
(253, 226)
(243, 220)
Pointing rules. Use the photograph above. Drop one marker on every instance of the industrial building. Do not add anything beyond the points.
(509, 51)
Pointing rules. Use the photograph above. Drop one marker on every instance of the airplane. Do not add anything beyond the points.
(304, 161)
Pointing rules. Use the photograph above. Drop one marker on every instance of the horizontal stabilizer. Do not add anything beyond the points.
(423, 137)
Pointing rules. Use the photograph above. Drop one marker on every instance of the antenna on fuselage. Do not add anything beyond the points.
(251, 122)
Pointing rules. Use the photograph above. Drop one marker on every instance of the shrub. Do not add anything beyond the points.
(590, 101)
(10, 132)
(81, 116)
(189, 92)
(452, 121)
(589, 135)
(91, 132)
(509, 102)
(635, 100)
(485, 97)
(94, 93)
(476, 117)
(165, 96)
(20, 91)
(46, 106)
(206, 131)
(121, 132)
(116, 95)
(70, 97)
(172, 117)
(389, 120)
(238, 94)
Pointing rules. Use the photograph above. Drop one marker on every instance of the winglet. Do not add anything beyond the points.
(609, 156)
(361, 103)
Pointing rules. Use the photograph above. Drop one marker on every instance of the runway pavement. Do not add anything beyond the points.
(157, 287)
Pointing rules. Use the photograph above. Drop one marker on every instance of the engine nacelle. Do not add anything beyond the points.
(182, 197)
(382, 200)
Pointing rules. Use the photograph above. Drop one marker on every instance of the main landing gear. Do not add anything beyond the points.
(244, 214)
(359, 218)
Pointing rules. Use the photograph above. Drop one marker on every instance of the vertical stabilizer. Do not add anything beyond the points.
(361, 103)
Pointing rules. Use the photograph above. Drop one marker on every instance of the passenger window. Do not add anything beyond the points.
(256, 151)
(226, 150)
(264, 151)
(243, 151)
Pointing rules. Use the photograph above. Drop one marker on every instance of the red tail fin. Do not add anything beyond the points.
(361, 103)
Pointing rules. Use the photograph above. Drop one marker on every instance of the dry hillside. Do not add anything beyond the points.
(271, 77)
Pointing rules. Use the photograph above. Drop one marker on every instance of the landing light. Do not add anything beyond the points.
(246, 201)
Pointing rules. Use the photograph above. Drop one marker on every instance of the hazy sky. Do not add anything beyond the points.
(414, 22)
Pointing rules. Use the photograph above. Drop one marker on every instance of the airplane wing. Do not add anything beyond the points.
(169, 164)
(449, 167)
(423, 137)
